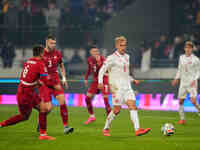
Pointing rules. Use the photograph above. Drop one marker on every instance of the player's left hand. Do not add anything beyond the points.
(57, 87)
(65, 84)
(136, 82)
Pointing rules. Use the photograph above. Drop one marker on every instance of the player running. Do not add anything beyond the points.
(33, 70)
(95, 61)
(188, 74)
(52, 59)
(120, 80)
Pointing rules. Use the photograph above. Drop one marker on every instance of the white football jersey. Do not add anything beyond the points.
(188, 69)
(117, 66)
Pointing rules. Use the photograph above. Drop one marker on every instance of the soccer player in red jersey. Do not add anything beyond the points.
(33, 71)
(95, 61)
(52, 59)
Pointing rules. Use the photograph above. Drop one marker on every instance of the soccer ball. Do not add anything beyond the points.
(168, 129)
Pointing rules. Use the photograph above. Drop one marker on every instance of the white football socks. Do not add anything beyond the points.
(92, 116)
(109, 120)
(135, 119)
(181, 112)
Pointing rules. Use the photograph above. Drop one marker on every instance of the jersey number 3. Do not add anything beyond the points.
(49, 63)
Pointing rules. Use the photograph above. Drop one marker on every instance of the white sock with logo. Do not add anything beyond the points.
(135, 119)
(109, 120)
(181, 112)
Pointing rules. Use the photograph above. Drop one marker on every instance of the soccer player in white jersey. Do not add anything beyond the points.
(188, 74)
(120, 78)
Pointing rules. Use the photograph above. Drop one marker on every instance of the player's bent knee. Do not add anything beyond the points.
(25, 116)
(132, 107)
(90, 95)
(181, 101)
(116, 110)
(61, 99)
(193, 100)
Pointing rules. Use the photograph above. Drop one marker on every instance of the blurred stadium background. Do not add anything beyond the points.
(156, 31)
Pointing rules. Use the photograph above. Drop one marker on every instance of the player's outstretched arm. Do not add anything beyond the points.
(107, 65)
(132, 77)
(63, 73)
(176, 80)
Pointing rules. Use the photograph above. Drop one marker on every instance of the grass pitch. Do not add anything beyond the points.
(23, 136)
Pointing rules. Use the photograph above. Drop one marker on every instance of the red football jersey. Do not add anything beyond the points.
(94, 67)
(33, 70)
(51, 60)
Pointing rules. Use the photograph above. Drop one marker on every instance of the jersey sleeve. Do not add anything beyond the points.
(89, 69)
(106, 65)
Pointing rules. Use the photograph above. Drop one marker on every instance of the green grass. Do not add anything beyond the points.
(23, 136)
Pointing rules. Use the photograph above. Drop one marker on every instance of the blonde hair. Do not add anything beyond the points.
(120, 39)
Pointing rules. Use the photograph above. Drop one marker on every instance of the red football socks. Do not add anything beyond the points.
(43, 122)
(107, 105)
(64, 114)
(89, 105)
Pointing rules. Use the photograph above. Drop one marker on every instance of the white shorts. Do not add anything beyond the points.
(121, 96)
(183, 91)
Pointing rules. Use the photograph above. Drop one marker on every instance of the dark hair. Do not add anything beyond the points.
(37, 50)
(93, 46)
(51, 37)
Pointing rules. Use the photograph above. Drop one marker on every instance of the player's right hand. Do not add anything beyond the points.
(174, 82)
(100, 86)
(86, 83)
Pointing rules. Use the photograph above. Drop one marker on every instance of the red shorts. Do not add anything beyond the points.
(27, 99)
(45, 92)
(93, 89)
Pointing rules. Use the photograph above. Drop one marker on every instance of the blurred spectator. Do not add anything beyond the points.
(178, 46)
(197, 50)
(1, 18)
(66, 18)
(109, 7)
(52, 15)
(76, 59)
(11, 21)
(159, 48)
(77, 7)
(38, 23)
(7, 54)
(5, 5)
(24, 22)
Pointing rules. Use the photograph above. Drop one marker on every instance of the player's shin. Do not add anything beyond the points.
(107, 105)
(181, 112)
(109, 120)
(43, 123)
(135, 119)
(64, 114)
(89, 106)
